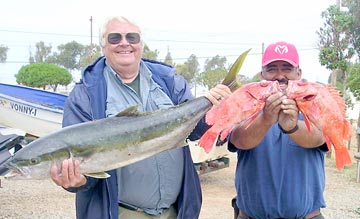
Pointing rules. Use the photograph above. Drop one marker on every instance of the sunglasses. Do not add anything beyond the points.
(115, 38)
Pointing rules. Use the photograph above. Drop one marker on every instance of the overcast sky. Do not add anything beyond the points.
(185, 27)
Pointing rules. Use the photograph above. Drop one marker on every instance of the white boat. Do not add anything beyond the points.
(35, 111)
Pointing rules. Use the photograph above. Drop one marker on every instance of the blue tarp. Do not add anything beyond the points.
(41, 97)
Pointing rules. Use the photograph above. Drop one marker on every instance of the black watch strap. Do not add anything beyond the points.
(289, 131)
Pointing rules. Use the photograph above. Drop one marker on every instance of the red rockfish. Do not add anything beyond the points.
(241, 107)
(323, 107)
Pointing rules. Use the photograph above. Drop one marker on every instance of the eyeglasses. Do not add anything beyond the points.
(115, 38)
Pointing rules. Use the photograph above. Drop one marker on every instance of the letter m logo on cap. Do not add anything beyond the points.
(281, 49)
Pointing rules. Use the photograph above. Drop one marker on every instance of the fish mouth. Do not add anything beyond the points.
(283, 83)
(283, 87)
(14, 171)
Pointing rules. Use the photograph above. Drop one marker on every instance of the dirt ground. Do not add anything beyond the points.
(44, 200)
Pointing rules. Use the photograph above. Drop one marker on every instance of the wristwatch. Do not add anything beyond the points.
(289, 131)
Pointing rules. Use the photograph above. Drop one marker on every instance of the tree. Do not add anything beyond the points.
(215, 62)
(69, 55)
(214, 73)
(42, 52)
(335, 46)
(148, 54)
(3, 53)
(353, 81)
(42, 75)
(182, 69)
(168, 59)
(354, 12)
(90, 55)
(189, 69)
(335, 52)
(193, 66)
(211, 78)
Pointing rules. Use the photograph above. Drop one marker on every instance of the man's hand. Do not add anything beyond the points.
(272, 107)
(70, 174)
(289, 114)
(218, 93)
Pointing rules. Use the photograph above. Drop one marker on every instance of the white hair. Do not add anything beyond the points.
(102, 31)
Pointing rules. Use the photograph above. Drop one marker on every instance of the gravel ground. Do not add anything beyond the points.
(44, 200)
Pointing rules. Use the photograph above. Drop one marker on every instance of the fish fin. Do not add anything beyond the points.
(99, 175)
(211, 115)
(248, 121)
(231, 79)
(130, 111)
(224, 134)
(337, 97)
(342, 158)
(347, 130)
(307, 122)
(328, 142)
(207, 140)
(10, 174)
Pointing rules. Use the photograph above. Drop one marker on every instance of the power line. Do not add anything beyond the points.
(198, 57)
(43, 33)
(236, 44)
(150, 40)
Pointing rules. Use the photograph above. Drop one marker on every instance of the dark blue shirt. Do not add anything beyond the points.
(278, 178)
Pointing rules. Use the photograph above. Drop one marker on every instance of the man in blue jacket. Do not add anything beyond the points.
(163, 186)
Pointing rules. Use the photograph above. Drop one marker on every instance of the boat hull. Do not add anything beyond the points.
(35, 111)
(33, 119)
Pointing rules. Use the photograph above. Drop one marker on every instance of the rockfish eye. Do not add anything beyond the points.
(264, 83)
(303, 82)
(309, 97)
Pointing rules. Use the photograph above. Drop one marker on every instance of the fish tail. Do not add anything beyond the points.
(207, 140)
(247, 122)
(231, 80)
(342, 158)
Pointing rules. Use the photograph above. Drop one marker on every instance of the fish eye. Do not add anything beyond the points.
(309, 97)
(264, 83)
(33, 161)
(303, 82)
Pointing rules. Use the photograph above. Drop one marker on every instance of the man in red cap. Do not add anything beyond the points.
(280, 171)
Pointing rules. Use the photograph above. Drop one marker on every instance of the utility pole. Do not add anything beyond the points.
(91, 43)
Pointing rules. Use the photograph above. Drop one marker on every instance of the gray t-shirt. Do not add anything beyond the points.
(152, 184)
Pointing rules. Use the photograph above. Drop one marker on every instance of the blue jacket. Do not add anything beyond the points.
(87, 101)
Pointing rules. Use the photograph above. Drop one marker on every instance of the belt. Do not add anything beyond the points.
(131, 208)
(311, 215)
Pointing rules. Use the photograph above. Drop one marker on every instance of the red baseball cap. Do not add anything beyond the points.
(281, 51)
